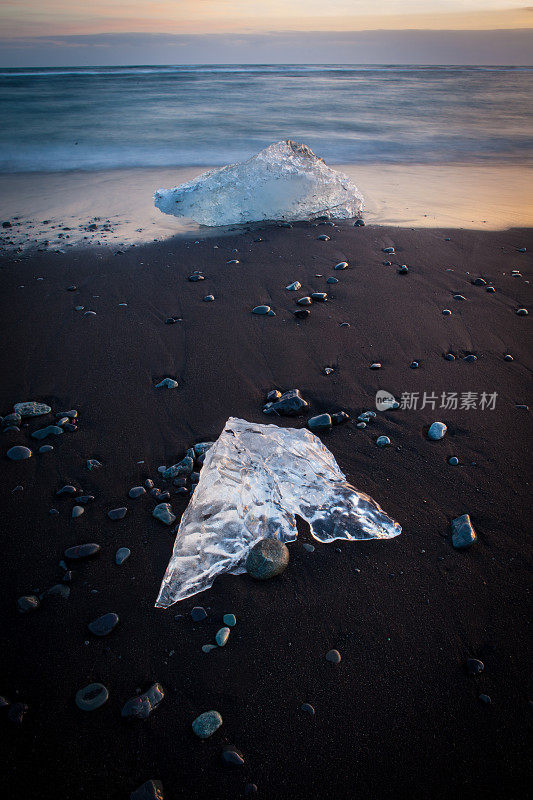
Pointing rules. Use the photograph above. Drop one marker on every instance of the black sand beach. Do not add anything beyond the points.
(399, 717)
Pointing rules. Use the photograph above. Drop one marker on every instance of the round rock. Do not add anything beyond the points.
(91, 697)
(18, 453)
(206, 724)
(267, 558)
(437, 431)
(104, 624)
(333, 656)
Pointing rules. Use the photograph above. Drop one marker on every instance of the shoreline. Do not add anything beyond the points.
(397, 718)
(422, 196)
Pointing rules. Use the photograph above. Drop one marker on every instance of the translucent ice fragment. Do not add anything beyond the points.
(254, 480)
(286, 181)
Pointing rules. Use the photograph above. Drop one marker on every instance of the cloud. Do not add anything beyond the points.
(367, 47)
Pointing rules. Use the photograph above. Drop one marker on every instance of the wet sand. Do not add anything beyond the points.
(480, 197)
(398, 717)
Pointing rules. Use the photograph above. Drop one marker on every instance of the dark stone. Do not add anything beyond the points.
(323, 238)
(198, 614)
(463, 534)
(470, 358)
(58, 590)
(104, 624)
(340, 417)
(414, 364)
(290, 404)
(18, 453)
(332, 280)
(117, 513)
(474, 666)
(16, 712)
(449, 357)
(319, 297)
(91, 697)
(479, 282)
(82, 551)
(250, 789)
(232, 757)
(28, 602)
(333, 656)
(196, 277)
(322, 422)
(151, 790)
(404, 269)
(389, 250)
(68, 489)
(359, 223)
(141, 707)
(267, 558)
(308, 708)
(484, 698)
(302, 313)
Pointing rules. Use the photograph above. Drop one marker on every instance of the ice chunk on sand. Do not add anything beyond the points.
(254, 480)
(286, 181)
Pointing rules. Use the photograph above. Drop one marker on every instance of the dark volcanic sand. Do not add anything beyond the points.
(398, 717)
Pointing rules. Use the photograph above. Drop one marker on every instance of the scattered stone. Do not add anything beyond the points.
(359, 223)
(16, 712)
(319, 297)
(322, 422)
(141, 707)
(82, 551)
(323, 238)
(68, 490)
(222, 636)
(58, 590)
(437, 430)
(31, 409)
(12, 419)
(404, 269)
(294, 286)
(117, 513)
(491, 289)
(232, 757)
(309, 547)
(339, 417)
(151, 790)
(301, 313)
(77, 511)
(389, 250)
(91, 697)
(198, 614)
(263, 311)
(183, 467)
(508, 357)
(163, 512)
(290, 404)
(195, 277)
(308, 708)
(92, 463)
(18, 453)
(250, 789)
(463, 534)
(328, 370)
(375, 365)
(230, 620)
(453, 461)
(449, 357)
(333, 656)
(202, 447)
(206, 648)
(136, 491)
(28, 602)
(167, 383)
(479, 282)
(474, 666)
(459, 297)
(304, 301)
(267, 558)
(341, 265)
(382, 441)
(209, 298)
(485, 699)
(414, 365)
(446, 312)
(332, 280)
(470, 358)
(522, 312)
(121, 555)
(104, 624)
(206, 724)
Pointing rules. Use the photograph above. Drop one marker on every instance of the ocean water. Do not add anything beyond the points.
(102, 118)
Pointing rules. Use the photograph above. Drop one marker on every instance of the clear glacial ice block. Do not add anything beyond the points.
(286, 181)
(254, 480)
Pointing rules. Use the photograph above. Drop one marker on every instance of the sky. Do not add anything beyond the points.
(63, 32)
